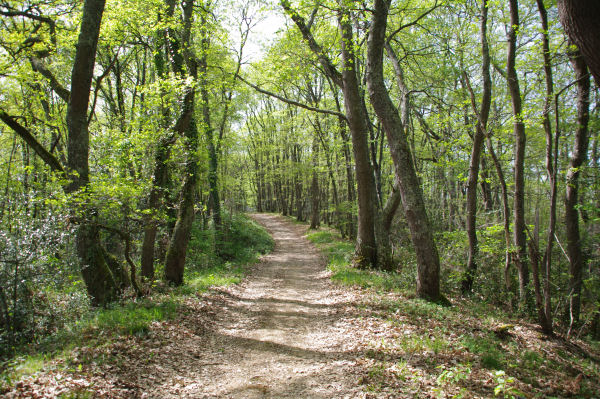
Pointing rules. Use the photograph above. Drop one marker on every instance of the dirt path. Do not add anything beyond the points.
(285, 332)
(279, 334)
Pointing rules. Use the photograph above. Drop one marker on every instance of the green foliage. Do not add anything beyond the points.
(240, 243)
(339, 254)
(488, 350)
(133, 318)
(243, 239)
(452, 376)
(504, 385)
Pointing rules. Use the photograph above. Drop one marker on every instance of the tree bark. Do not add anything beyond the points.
(428, 263)
(176, 253)
(366, 247)
(314, 188)
(580, 20)
(545, 314)
(160, 176)
(578, 159)
(102, 283)
(519, 235)
(159, 182)
(484, 112)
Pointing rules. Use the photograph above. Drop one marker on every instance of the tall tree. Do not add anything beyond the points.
(428, 263)
(475, 161)
(176, 253)
(102, 273)
(519, 233)
(578, 159)
(545, 310)
(347, 80)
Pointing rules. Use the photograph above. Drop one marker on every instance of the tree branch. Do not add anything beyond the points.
(38, 66)
(412, 23)
(30, 139)
(292, 102)
(328, 66)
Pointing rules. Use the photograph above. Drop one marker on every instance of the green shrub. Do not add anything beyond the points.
(241, 241)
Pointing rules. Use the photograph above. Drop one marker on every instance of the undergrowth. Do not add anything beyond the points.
(471, 349)
(339, 254)
(242, 242)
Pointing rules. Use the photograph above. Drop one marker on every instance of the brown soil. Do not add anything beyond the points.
(280, 333)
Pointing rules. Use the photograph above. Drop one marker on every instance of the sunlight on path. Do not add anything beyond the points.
(277, 334)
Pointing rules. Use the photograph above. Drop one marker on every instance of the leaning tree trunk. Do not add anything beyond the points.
(428, 262)
(578, 158)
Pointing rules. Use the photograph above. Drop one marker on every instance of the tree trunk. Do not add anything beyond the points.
(520, 238)
(484, 112)
(578, 158)
(160, 176)
(176, 253)
(314, 188)
(428, 263)
(545, 317)
(159, 182)
(486, 190)
(102, 284)
(213, 161)
(365, 255)
(580, 20)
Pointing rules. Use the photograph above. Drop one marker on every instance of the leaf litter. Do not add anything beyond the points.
(287, 332)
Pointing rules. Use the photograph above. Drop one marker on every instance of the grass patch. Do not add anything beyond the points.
(220, 275)
(489, 352)
(418, 344)
(339, 254)
(133, 318)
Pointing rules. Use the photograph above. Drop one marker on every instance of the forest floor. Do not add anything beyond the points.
(286, 331)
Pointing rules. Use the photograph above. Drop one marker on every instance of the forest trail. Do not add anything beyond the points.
(279, 334)
(284, 332)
